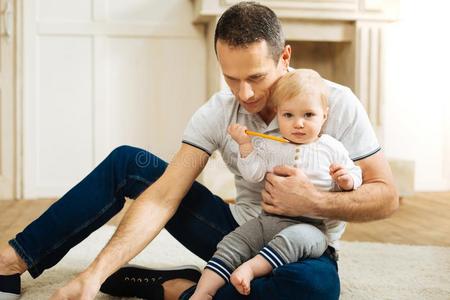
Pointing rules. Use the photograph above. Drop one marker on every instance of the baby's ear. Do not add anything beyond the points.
(325, 113)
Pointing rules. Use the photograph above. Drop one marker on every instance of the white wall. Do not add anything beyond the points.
(417, 101)
(102, 73)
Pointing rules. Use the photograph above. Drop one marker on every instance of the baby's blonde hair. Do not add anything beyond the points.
(299, 82)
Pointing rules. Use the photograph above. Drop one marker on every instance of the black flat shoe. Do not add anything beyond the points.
(141, 282)
(10, 287)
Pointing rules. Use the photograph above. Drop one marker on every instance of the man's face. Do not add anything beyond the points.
(250, 72)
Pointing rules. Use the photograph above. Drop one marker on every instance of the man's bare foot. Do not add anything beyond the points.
(10, 262)
(83, 286)
(175, 287)
(241, 278)
(198, 296)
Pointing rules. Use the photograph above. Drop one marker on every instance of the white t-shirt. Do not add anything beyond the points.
(314, 159)
(207, 130)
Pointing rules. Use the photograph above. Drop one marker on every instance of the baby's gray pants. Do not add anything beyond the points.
(279, 239)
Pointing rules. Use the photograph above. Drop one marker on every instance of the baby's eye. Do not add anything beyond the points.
(309, 115)
(287, 115)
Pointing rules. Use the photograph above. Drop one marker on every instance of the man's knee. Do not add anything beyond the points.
(312, 278)
(124, 150)
(131, 158)
(130, 154)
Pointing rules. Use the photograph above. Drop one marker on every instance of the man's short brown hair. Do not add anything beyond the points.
(248, 22)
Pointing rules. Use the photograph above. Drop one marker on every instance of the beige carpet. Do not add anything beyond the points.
(367, 270)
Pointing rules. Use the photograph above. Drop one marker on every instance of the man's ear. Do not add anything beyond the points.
(286, 56)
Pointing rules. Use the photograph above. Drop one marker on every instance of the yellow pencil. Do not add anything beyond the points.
(266, 136)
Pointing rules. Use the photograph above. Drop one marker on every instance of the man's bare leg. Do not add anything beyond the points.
(10, 262)
(256, 267)
(175, 287)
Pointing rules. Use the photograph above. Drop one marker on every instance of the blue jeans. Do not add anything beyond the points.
(201, 221)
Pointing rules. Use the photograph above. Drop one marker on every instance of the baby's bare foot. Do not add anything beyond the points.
(241, 278)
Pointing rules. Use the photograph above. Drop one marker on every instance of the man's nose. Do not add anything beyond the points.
(245, 91)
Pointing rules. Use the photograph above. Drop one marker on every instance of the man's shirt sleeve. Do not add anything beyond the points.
(205, 129)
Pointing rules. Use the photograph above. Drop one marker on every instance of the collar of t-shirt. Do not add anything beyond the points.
(259, 122)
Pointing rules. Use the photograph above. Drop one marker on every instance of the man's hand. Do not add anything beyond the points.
(341, 176)
(288, 192)
(83, 287)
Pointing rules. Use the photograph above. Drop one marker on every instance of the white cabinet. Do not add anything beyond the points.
(102, 73)
(7, 101)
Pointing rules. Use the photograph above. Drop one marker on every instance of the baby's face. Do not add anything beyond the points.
(301, 118)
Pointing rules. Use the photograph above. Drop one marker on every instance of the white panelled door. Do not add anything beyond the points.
(7, 110)
(102, 73)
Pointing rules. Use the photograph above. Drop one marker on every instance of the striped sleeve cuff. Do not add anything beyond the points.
(272, 257)
(196, 146)
(218, 267)
(366, 155)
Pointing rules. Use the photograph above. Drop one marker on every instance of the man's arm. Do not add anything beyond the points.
(145, 218)
(289, 192)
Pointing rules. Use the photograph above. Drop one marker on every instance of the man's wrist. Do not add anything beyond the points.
(319, 203)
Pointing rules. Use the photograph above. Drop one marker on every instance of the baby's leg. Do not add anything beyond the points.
(207, 286)
(294, 243)
(256, 267)
(261, 264)
(235, 248)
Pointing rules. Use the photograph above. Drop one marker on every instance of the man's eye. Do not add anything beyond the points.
(256, 78)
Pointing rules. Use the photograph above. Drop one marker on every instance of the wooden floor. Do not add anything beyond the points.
(423, 219)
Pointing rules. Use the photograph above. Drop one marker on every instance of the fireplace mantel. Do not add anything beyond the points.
(342, 10)
(343, 39)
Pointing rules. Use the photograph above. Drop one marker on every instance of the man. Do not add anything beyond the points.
(251, 52)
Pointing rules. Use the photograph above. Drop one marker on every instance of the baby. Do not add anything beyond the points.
(269, 241)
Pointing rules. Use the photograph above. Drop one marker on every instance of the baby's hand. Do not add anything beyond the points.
(341, 177)
(238, 134)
